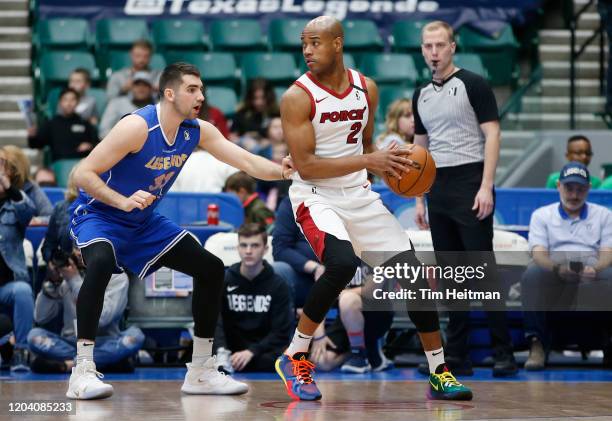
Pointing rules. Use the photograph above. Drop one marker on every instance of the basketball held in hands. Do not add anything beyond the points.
(419, 177)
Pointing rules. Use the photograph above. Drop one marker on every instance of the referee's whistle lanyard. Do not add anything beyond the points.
(440, 82)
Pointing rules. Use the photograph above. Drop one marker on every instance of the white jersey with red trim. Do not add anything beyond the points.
(338, 120)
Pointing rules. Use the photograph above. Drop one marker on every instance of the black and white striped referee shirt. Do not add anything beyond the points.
(450, 115)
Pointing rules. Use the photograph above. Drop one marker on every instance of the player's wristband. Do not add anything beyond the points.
(318, 338)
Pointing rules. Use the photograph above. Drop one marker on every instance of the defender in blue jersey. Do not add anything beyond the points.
(115, 226)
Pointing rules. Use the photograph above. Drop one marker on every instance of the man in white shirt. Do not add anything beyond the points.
(571, 245)
(203, 173)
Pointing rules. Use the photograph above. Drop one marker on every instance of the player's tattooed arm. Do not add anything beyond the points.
(128, 136)
(214, 142)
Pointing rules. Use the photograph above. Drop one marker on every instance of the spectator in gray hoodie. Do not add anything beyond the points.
(55, 351)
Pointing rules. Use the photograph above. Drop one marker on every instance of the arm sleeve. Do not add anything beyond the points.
(45, 308)
(91, 134)
(39, 140)
(113, 87)
(24, 209)
(51, 241)
(538, 234)
(108, 119)
(284, 239)
(482, 99)
(418, 124)
(281, 313)
(42, 202)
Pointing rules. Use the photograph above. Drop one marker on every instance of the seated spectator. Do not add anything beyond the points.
(557, 233)
(354, 340)
(120, 82)
(203, 173)
(215, 117)
(58, 234)
(252, 117)
(80, 81)
(16, 211)
(44, 209)
(45, 177)
(141, 95)
(399, 125)
(54, 351)
(257, 314)
(294, 259)
(67, 134)
(255, 210)
(578, 150)
(275, 191)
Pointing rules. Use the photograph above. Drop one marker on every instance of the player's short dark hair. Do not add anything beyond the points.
(174, 73)
(252, 229)
(66, 91)
(240, 180)
(83, 71)
(578, 137)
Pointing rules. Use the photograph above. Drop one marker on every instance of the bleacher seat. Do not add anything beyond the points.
(236, 35)
(55, 68)
(223, 98)
(284, 34)
(388, 94)
(224, 245)
(179, 34)
(498, 54)
(406, 38)
(471, 62)
(278, 68)
(390, 68)
(216, 69)
(119, 34)
(361, 36)
(53, 98)
(61, 34)
(62, 169)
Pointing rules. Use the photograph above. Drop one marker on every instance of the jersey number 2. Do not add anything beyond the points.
(352, 137)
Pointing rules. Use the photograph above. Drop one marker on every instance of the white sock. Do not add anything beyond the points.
(435, 357)
(202, 350)
(299, 343)
(85, 349)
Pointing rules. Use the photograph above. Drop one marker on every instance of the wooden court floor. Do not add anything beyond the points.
(342, 400)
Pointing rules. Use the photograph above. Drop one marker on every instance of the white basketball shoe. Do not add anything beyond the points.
(207, 380)
(85, 383)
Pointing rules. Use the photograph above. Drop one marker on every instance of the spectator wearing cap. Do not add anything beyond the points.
(570, 242)
(120, 83)
(141, 95)
(578, 150)
(67, 134)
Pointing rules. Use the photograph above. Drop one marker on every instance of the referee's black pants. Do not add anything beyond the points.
(455, 228)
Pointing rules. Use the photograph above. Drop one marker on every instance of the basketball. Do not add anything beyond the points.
(420, 176)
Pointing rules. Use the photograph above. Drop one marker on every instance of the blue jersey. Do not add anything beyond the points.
(152, 169)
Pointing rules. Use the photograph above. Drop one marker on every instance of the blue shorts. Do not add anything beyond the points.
(137, 246)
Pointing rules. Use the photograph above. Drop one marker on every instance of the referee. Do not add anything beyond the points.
(456, 117)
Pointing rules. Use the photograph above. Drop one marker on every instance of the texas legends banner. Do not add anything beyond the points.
(485, 15)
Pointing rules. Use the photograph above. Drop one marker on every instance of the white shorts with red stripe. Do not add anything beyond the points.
(354, 214)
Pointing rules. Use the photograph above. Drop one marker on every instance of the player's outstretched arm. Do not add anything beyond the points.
(128, 136)
(300, 137)
(256, 166)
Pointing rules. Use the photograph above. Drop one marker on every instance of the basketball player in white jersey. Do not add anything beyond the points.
(328, 121)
